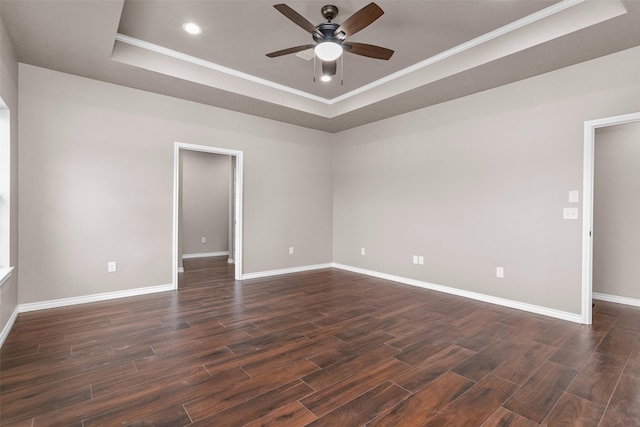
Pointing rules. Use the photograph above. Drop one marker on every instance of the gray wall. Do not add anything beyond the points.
(96, 185)
(205, 202)
(9, 93)
(480, 182)
(616, 210)
(471, 184)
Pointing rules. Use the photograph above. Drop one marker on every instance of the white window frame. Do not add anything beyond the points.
(5, 192)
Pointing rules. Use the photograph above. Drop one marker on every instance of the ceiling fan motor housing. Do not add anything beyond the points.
(327, 33)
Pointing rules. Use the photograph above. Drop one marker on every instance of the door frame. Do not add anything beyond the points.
(587, 205)
(237, 191)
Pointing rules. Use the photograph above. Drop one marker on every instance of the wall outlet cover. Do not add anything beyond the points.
(570, 213)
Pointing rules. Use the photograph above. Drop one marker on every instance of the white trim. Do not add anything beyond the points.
(5, 185)
(204, 255)
(34, 306)
(269, 273)
(180, 269)
(7, 328)
(230, 261)
(176, 212)
(618, 300)
(238, 189)
(5, 273)
(521, 23)
(238, 215)
(571, 317)
(216, 67)
(527, 20)
(587, 205)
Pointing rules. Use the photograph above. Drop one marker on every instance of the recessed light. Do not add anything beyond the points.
(192, 28)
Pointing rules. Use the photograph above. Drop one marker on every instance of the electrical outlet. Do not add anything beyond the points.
(570, 213)
(203, 240)
(290, 250)
(362, 251)
(111, 267)
(500, 272)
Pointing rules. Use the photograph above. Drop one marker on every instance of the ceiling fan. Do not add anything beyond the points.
(331, 38)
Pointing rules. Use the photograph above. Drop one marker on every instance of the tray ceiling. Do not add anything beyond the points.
(443, 50)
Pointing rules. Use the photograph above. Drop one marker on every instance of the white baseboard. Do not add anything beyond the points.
(204, 255)
(619, 300)
(7, 328)
(571, 317)
(23, 308)
(285, 271)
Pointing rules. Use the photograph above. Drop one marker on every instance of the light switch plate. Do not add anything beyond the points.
(574, 196)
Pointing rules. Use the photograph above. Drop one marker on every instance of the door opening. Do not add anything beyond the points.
(235, 247)
(587, 205)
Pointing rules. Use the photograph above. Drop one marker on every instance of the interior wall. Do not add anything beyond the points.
(205, 202)
(616, 209)
(9, 94)
(479, 183)
(471, 184)
(96, 185)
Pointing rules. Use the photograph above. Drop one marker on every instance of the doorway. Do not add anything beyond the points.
(587, 205)
(235, 248)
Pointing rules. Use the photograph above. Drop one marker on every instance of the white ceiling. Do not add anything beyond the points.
(444, 49)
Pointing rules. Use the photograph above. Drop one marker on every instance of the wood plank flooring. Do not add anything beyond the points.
(321, 348)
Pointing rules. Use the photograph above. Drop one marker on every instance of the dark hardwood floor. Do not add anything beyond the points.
(321, 348)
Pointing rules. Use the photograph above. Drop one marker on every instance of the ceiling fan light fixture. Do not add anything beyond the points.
(328, 51)
(325, 78)
(192, 28)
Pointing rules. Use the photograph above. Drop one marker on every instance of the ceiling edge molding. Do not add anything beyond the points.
(550, 23)
(551, 10)
(216, 67)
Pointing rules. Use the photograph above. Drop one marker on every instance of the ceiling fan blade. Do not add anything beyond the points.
(368, 50)
(289, 50)
(360, 19)
(296, 18)
(329, 68)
